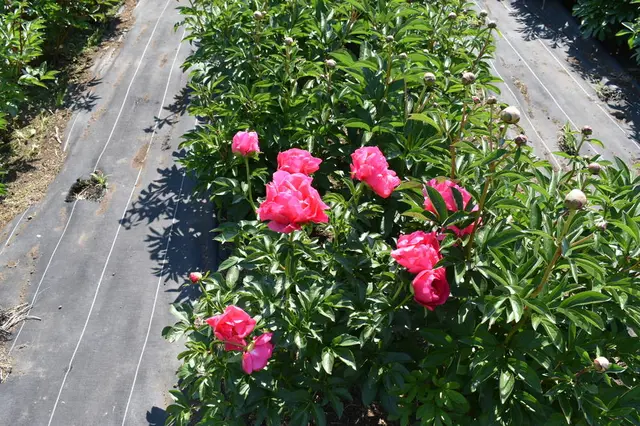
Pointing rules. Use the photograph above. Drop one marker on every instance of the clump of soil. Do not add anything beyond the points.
(92, 189)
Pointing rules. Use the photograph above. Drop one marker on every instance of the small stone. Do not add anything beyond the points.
(510, 115)
(468, 78)
(575, 200)
(601, 364)
(60, 307)
(330, 63)
(29, 217)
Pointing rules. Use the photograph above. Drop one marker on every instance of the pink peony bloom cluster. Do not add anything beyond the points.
(370, 166)
(232, 327)
(291, 202)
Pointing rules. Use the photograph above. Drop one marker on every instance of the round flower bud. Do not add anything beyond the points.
(587, 130)
(403, 56)
(199, 322)
(195, 277)
(510, 115)
(594, 168)
(502, 127)
(492, 24)
(521, 139)
(288, 41)
(575, 200)
(429, 78)
(468, 78)
(492, 100)
(390, 39)
(483, 13)
(257, 15)
(601, 364)
(330, 63)
(452, 16)
(447, 72)
(475, 99)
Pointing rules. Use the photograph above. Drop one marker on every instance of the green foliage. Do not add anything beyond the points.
(537, 292)
(604, 19)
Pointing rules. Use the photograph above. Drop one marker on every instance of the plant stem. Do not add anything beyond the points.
(452, 148)
(556, 256)
(483, 199)
(249, 196)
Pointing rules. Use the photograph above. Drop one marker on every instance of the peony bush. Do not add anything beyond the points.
(394, 243)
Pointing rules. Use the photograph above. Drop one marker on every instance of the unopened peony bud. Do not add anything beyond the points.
(510, 115)
(475, 99)
(502, 127)
(429, 78)
(601, 364)
(447, 72)
(452, 16)
(575, 200)
(492, 24)
(257, 15)
(195, 277)
(521, 139)
(403, 56)
(468, 78)
(390, 39)
(288, 41)
(594, 168)
(587, 130)
(492, 100)
(330, 63)
(199, 322)
(483, 13)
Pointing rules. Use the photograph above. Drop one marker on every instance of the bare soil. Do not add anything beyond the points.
(37, 154)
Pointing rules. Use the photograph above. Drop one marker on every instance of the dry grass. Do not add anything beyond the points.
(10, 318)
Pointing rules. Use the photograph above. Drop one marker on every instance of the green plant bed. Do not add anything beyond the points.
(430, 266)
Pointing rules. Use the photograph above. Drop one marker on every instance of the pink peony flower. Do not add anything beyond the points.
(431, 288)
(297, 160)
(417, 251)
(444, 188)
(257, 354)
(245, 143)
(370, 166)
(195, 277)
(292, 202)
(232, 327)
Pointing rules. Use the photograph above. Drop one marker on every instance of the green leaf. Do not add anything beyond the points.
(438, 202)
(232, 276)
(370, 386)
(321, 417)
(584, 298)
(349, 341)
(328, 359)
(507, 381)
(347, 357)
(554, 333)
(503, 238)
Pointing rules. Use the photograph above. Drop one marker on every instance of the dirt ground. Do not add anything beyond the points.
(38, 154)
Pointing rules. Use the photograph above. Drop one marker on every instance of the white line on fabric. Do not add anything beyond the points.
(553, 157)
(126, 95)
(14, 230)
(66, 143)
(155, 301)
(35, 295)
(113, 243)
